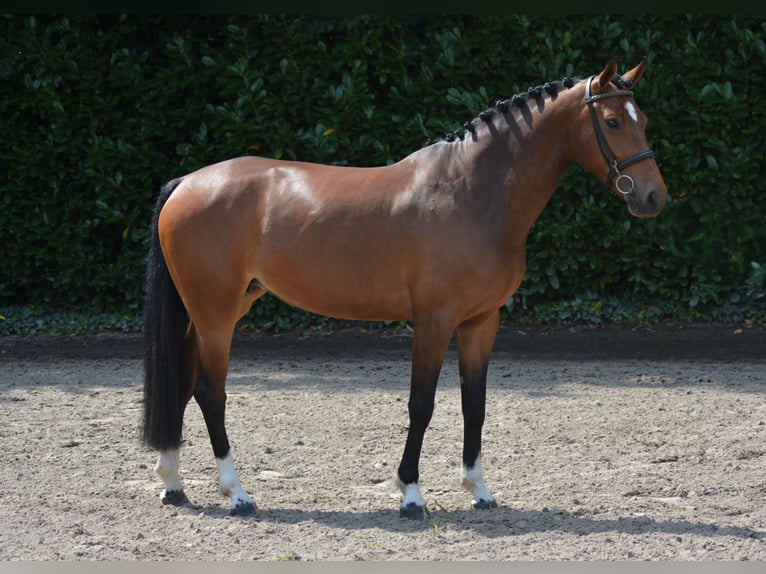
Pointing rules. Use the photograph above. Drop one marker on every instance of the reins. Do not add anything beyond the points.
(622, 179)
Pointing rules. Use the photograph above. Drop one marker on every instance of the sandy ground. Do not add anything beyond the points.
(600, 444)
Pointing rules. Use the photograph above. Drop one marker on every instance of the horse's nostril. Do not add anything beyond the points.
(653, 199)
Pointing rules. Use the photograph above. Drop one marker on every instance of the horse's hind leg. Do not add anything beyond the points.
(210, 394)
(167, 469)
(475, 340)
(167, 466)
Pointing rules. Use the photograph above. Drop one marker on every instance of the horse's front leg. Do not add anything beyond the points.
(430, 342)
(475, 340)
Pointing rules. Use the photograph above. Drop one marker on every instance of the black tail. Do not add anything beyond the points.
(165, 324)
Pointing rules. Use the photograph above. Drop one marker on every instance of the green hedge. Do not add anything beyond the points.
(99, 111)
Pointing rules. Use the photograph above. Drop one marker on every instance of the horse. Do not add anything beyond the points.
(436, 239)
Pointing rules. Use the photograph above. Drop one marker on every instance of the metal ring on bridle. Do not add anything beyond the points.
(631, 184)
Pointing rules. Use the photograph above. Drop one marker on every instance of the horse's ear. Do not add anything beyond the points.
(635, 74)
(606, 76)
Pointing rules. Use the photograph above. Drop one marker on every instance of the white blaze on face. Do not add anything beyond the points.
(632, 111)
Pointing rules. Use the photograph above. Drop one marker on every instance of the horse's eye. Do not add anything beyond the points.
(612, 123)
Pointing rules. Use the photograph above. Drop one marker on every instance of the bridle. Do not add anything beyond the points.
(623, 182)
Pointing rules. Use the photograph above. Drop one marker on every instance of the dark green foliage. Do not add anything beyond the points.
(99, 111)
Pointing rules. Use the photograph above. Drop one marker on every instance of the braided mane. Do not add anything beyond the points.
(519, 100)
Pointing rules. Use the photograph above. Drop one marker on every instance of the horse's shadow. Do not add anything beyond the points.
(496, 522)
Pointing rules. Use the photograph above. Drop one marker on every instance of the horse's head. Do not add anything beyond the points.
(612, 141)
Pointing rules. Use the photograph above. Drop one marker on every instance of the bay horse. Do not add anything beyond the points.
(437, 239)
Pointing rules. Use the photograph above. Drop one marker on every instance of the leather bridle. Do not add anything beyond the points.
(623, 182)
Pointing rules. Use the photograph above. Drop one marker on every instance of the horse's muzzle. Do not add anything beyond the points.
(646, 203)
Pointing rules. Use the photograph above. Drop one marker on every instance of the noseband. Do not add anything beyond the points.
(623, 183)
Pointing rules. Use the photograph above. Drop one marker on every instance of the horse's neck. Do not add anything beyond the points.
(518, 159)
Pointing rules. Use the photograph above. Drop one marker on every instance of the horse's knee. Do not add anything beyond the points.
(421, 410)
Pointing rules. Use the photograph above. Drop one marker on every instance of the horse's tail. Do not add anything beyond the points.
(165, 324)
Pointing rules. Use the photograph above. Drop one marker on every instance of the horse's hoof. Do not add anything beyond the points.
(174, 498)
(243, 509)
(482, 504)
(413, 511)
